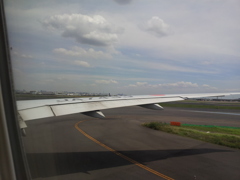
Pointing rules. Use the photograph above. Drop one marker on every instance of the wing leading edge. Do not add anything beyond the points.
(46, 108)
(35, 109)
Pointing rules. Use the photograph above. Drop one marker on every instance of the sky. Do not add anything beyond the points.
(125, 46)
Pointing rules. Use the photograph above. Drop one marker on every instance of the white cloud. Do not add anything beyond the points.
(95, 30)
(82, 63)
(177, 68)
(132, 85)
(180, 84)
(205, 86)
(123, 2)
(141, 83)
(157, 27)
(18, 54)
(106, 81)
(170, 88)
(83, 53)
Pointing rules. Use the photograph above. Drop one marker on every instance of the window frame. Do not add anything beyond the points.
(13, 161)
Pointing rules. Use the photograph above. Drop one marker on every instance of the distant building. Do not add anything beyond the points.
(32, 92)
(47, 93)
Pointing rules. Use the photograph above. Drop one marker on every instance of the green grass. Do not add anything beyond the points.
(214, 129)
(218, 135)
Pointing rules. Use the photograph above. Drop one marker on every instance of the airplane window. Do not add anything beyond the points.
(80, 78)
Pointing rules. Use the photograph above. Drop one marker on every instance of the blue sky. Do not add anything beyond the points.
(125, 46)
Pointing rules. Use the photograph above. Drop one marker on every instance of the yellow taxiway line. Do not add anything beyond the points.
(120, 154)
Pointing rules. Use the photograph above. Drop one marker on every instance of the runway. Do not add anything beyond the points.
(56, 149)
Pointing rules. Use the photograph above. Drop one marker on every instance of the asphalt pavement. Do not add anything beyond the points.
(118, 147)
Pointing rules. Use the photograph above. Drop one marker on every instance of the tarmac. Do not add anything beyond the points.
(118, 147)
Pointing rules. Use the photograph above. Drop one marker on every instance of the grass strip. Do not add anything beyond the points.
(220, 137)
(214, 129)
(194, 125)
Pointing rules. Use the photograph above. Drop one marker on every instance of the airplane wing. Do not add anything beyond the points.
(35, 109)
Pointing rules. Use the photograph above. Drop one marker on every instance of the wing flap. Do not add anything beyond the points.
(36, 113)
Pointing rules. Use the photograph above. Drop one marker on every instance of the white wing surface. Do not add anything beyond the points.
(35, 109)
